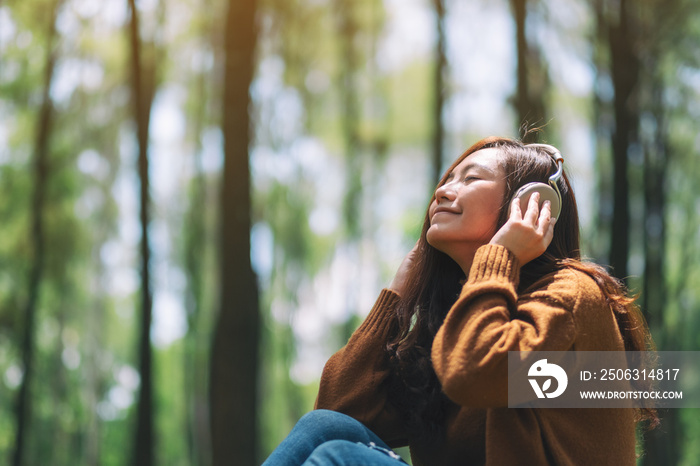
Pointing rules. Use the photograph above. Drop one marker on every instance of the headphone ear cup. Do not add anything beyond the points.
(547, 193)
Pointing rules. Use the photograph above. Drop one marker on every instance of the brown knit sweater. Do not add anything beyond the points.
(563, 311)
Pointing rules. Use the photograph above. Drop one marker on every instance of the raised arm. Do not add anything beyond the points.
(470, 351)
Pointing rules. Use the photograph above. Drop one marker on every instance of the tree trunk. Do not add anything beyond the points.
(439, 91)
(94, 379)
(234, 357)
(655, 171)
(625, 76)
(196, 426)
(350, 101)
(23, 407)
(142, 96)
(662, 445)
(349, 63)
(602, 115)
(532, 78)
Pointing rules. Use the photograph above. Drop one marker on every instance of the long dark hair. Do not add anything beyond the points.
(434, 283)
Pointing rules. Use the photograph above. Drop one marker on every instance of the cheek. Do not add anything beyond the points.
(495, 208)
(495, 197)
(491, 211)
(431, 209)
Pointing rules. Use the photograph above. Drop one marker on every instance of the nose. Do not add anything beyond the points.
(445, 191)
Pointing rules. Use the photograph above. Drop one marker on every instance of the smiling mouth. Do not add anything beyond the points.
(444, 210)
(441, 211)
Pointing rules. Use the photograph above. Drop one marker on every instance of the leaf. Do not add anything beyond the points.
(546, 385)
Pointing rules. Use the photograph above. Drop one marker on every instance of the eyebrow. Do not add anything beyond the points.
(471, 165)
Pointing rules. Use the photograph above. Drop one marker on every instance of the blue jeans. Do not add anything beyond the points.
(324, 437)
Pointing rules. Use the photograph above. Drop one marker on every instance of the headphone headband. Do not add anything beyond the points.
(558, 159)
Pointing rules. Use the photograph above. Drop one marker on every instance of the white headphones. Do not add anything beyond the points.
(548, 192)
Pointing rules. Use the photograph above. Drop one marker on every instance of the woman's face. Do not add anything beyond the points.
(466, 208)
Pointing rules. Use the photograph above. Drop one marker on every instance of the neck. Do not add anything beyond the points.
(466, 266)
(464, 257)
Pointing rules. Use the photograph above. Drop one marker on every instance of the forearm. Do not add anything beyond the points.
(470, 351)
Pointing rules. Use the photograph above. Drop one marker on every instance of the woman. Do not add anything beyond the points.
(427, 368)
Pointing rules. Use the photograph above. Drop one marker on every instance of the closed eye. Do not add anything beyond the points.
(471, 178)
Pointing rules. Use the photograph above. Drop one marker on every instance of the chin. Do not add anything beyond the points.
(435, 241)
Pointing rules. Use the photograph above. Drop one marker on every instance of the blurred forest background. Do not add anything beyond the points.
(171, 283)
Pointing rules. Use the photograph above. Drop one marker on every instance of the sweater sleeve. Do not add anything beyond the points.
(354, 380)
(470, 351)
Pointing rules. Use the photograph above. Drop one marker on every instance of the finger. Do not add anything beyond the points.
(544, 218)
(549, 235)
(515, 211)
(532, 209)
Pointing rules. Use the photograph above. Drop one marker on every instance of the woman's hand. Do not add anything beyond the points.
(398, 284)
(527, 236)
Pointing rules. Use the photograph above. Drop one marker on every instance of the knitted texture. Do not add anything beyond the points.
(563, 311)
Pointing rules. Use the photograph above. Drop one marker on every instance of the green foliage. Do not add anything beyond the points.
(332, 124)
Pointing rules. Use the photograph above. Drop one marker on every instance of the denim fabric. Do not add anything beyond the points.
(324, 437)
